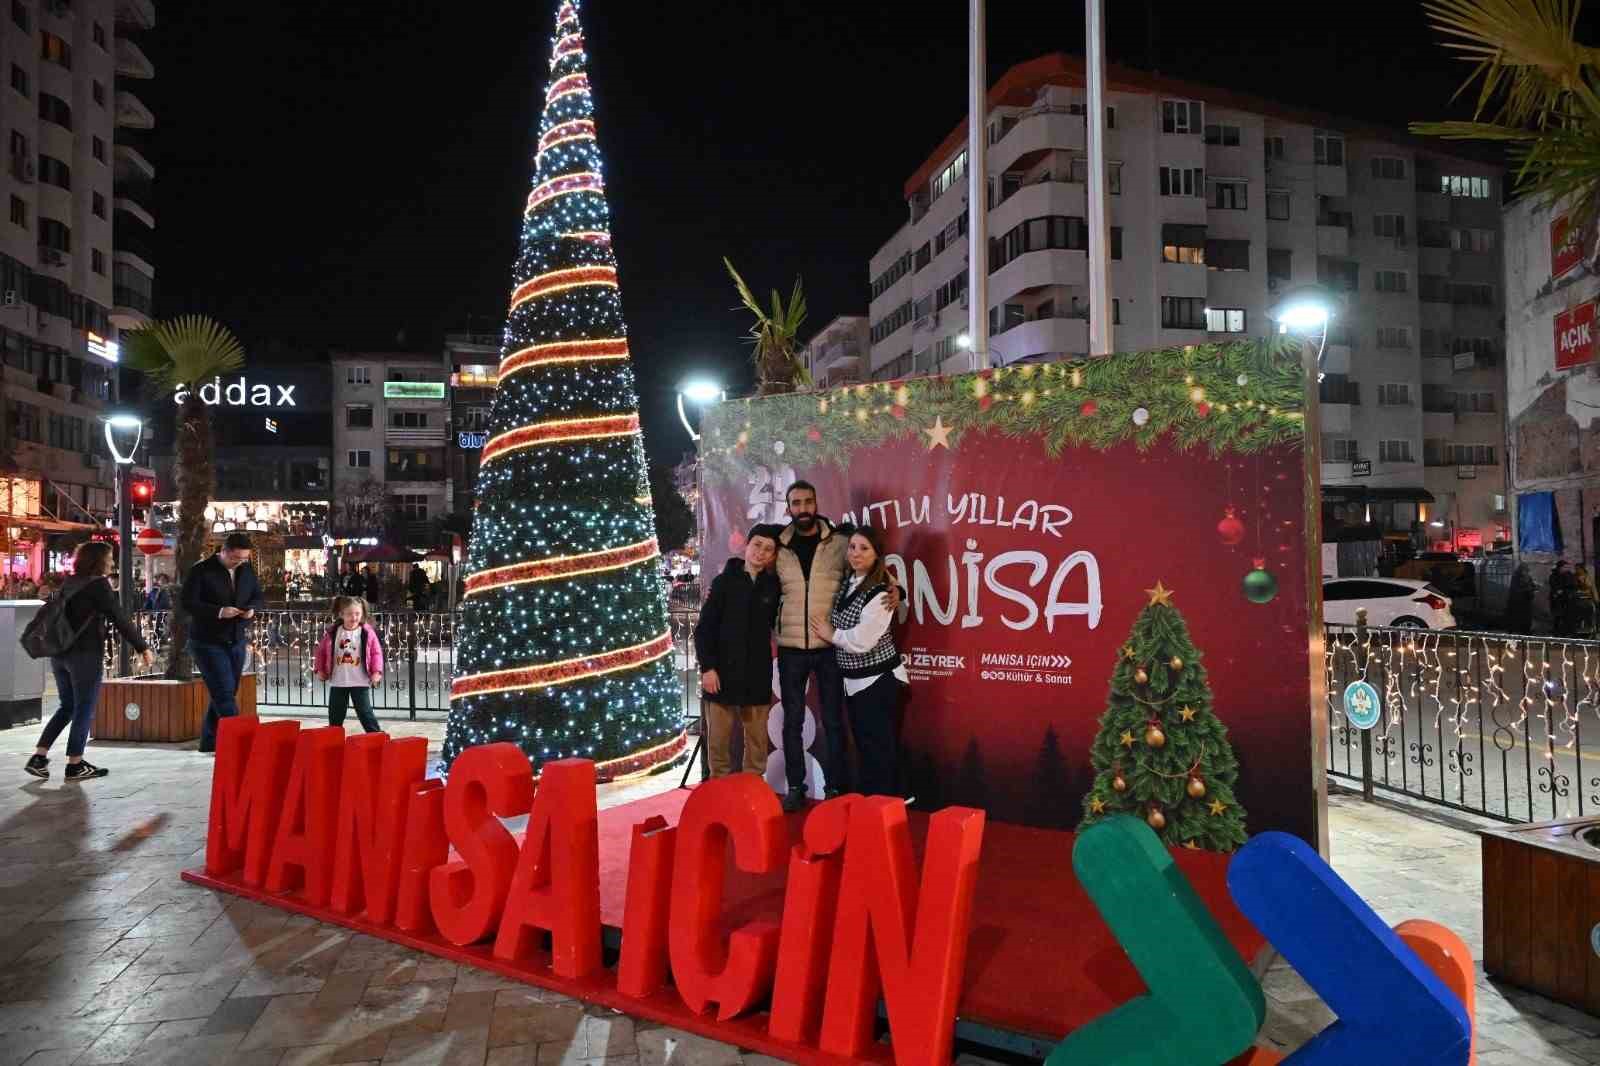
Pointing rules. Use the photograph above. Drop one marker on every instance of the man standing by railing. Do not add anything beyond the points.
(222, 595)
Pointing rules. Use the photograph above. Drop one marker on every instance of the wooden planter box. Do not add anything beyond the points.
(1541, 909)
(167, 711)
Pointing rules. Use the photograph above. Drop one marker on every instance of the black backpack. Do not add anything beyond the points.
(51, 633)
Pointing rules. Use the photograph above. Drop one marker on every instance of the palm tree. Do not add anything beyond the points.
(182, 354)
(1538, 94)
(775, 337)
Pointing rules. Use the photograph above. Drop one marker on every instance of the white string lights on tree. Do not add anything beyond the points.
(565, 646)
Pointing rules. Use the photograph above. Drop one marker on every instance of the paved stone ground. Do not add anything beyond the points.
(107, 957)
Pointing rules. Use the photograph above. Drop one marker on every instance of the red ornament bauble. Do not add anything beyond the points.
(985, 402)
(986, 374)
(898, 411)
(813, 434)
(1230, 529)
(1202, 409)
(736, 542)
(1088, 409)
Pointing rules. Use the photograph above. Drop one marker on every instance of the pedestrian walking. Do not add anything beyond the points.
(355, 584)
(733, 645)
(349, 657)
(858, 628)
(417, 587)
(88, 604)
(221, 595)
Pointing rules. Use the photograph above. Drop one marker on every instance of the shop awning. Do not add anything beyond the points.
(47, 525)
(1364, 494)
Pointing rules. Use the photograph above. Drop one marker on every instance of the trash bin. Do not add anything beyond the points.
(21, 677)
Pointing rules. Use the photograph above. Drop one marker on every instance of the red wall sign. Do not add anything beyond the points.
(1566, 247)
(1575, 337)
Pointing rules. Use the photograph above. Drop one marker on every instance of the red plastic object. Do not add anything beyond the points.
(737, 974)
(911, 943)
(642, 966)
(468, 897)
(380, 776)
(557, 882)
(425, 848)
(247, 784)
(302, 852)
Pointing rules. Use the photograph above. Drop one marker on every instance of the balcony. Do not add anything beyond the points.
(131, 112)
(129, 164)
(130, 308)
(434, 435)
(132, 62)
(54, 261)
(1332, 180)
(1042, 336)
(135, 202)
(1038, 200)
(1032, 271)
(1048, 127)
(1344, 393)
(1336, 358)
(136, 14)
(422, 473)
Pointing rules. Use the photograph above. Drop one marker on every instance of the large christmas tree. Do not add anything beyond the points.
(1161, 753)
(564, 647)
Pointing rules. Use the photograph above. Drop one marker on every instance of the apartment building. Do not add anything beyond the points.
(71, 272)
(391, 414)
(1218, 203)
(474, 361)
(838, 353)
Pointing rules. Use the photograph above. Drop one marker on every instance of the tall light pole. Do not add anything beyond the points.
(123, 434)
(977, 186)
(1099, 223)
(699, 392)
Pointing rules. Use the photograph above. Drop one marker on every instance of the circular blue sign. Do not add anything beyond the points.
(1361, 705)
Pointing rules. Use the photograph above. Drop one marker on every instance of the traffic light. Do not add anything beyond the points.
(142, 491)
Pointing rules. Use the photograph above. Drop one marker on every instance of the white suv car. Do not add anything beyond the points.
(1390, 601)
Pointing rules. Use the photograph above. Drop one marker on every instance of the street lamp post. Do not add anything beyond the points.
(700, 392)
(123, 434)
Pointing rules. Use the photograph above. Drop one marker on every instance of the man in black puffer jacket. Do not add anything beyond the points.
(733, 642)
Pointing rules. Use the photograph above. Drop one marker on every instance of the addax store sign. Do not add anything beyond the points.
(1575, 336)
(1027, 512)
(240, 393)
(351, 830)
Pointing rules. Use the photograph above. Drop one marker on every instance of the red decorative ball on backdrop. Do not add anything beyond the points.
(736, 542)
(1230, 529)
(985, 402)
(1202, 409)
(898, 411)
(1089, 409)
(813, 434)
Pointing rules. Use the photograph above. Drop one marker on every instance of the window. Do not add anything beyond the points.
(473, 418)
(1274, 147)
(1482, 347)
(1394, 395)
(899, 269)
(98, 149)
(1067, 232)
(99, 32)
(54, 109)
(1473, 295)
(1388, 168)
(1339, 450)
(19, 15)
(1181, 116)
(97, 204)
(1183, 312)
(1114, 178)
(948, 177)
(19, 212)
(55, 234)
(1341, 274)
(358, 375)
(951, 291)
(1116, 242)
(53, 171)
(923, 307)
(55, 49)
(924, 255)
(1224, 320)
(408, 420)
(1467, 187)
(1229, 195)
(1111, 118)
(1394, 451)
(1328, 148)
(1278, 204)
(1394, 336)
(19, 79)
(359, 458)
(1472, 240)
(1392, 226)
(1389, 280)
(1183, 181)
(97, 260)
(25, 422)
(1469, 455)
(1182, 244)
(1477, 403)
(1227, 255)
(950, 234)
(1433, 288)
(410, 507)
(895, 319)
(98, 90)
(1223, 135)
(1278, 264)
(358, 415)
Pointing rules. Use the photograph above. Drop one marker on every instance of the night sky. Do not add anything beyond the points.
(336, 175)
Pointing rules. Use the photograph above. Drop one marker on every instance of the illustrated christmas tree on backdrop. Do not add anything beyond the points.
(1161, 753)
(564, 647)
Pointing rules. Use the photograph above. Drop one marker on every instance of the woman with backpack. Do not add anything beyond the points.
(85, 602)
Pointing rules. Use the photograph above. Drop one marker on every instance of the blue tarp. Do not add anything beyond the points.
(1538, 528)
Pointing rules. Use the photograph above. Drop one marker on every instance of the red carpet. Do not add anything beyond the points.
(1040, 960)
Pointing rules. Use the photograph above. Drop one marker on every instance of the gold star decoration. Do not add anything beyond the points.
(1217, 807)
(1187, 714)
(1097, 805)
(1127, 739)
(1160, 594)
(938, 434)
(1127, 652)
(1191, 845)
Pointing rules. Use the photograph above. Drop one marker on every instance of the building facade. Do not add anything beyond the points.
(75, 260)
(1552, 279)
(391, 425)
(474, 361)
(1218, 204)
(839, 352)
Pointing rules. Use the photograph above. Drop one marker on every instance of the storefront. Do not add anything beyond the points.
(291, 547)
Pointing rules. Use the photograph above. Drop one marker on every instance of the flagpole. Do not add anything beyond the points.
(1100, 326)
(977, 189)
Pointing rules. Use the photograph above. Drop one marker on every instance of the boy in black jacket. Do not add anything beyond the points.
(733, 642)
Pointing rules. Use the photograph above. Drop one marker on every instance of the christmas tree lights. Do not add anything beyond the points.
(564, 645)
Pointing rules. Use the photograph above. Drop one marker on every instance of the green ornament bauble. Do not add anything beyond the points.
(1259, 585)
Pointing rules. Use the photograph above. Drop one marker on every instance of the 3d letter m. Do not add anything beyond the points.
(247, 787)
